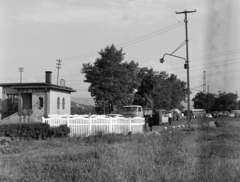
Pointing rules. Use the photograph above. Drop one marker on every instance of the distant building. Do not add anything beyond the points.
(42, 98)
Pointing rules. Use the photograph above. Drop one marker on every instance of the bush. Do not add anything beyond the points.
(61, 131)
(25, 130)
(33, 131)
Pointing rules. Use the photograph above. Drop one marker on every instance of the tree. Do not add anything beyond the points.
(159, 91)
(204, 101)
(211, 102)
(112, 81)
(226, 101)
(144, 94)
(198, 100)
(179, 92)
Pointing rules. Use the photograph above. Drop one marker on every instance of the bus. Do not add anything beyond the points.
(198, 112)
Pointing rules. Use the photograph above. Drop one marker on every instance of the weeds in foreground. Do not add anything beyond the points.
(204, 154)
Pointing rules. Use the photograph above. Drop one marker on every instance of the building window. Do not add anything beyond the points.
(63, 103)
(58, 103)
(12, 102)
(40, 102)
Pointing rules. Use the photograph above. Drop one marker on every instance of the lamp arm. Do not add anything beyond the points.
(174, 56)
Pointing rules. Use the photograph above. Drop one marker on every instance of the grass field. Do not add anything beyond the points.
(199, 154)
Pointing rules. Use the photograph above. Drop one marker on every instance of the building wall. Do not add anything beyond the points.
(38, 112)
(49, 105)
(53, 96)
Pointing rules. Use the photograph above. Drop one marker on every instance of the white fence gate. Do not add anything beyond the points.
(88, 126)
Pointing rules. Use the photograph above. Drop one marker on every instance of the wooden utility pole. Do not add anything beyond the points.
(204, 91)
(58, 67)
(209, 110)
(187, 62)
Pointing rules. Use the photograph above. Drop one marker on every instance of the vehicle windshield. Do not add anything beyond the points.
(130, 109)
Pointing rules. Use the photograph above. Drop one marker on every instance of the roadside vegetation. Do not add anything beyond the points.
(202, 153)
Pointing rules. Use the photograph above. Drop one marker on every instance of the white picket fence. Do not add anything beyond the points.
(88, 126)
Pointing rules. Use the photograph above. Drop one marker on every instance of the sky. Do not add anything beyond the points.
(34, 34)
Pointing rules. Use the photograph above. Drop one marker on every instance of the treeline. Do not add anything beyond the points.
(216, 102)
(115, 82)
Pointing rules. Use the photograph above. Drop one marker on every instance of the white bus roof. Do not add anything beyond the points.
(132, 106)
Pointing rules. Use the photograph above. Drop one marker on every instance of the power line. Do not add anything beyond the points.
(148, 37)
(79, 74)
(196, 87)
(204, 57)
(131, 42)
(212, 66)
(143, 5)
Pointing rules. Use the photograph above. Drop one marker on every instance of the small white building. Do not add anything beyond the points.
(42, 99)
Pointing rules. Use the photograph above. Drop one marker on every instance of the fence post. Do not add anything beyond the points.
(110, 125)
(130, 124)
(90, 126)
(67, 121)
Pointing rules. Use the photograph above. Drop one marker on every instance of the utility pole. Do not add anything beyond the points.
(21, 70)
(58, 67)
(187, 61)
(209, 110)
(204, 91)
(236, 101)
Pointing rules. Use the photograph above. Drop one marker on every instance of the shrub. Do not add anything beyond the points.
(25, 130)
(33, 131)
(61, 131)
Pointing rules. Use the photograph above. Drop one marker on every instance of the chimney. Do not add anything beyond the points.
(48, 77)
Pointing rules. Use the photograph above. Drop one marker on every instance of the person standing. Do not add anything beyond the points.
(170, 116)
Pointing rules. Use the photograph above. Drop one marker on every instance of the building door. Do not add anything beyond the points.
(27, 100)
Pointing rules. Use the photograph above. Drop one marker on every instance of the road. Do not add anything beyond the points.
(174, 123)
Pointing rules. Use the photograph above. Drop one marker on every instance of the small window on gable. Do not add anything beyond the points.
(40, 102)
(58, 103)
(63, 103)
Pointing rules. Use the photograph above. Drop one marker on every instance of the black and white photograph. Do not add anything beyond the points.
(120, 90)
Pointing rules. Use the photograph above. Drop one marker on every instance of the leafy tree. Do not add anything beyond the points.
(204, 101)
(198, 100)
(179, 92)
(112, 81)
(158, 90)
(226, 101)
(212, 102)
(144, 94)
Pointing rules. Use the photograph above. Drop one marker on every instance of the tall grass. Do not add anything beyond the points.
(201, 154)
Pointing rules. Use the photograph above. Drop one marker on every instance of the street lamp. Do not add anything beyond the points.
(186, 66)
(162, 59)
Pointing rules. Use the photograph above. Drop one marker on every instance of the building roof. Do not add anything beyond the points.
(36, 85)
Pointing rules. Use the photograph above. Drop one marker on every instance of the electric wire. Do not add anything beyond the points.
(141, 4)
(125, 44)
(179, 47)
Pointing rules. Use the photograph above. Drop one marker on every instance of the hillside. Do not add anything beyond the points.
(77, 108)
(83, 100)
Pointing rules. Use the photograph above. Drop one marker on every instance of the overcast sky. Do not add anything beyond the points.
(34, 34)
